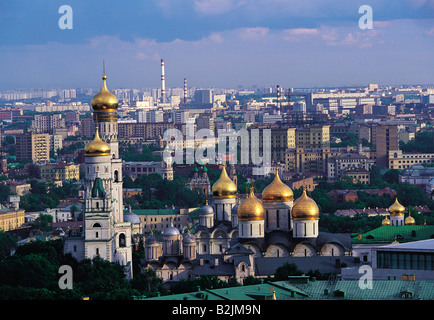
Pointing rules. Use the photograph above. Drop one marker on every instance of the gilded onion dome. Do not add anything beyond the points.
(104, 100)
(409, 220)
(224, 187)
(97, 147)
(385, 222)
(277, 191)
(305, 208)
(251, 208)
(396, 209)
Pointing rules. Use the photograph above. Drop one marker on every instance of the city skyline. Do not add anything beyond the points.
(212, 43)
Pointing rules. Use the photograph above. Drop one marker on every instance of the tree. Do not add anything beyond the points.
(286, 270)
(391, 176)
(31, 270)
(43, 222)
(7, 243)
(148, 283)
(375, 177)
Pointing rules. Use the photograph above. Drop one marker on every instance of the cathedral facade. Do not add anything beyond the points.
(232, 234)
(105, 233)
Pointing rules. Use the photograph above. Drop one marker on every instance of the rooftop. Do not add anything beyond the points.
(403, 234)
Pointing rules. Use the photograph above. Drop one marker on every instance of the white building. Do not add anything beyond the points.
(105, 233)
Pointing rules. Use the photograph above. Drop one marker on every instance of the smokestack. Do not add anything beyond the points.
(278, 100)
(185, 91)
(163, 83)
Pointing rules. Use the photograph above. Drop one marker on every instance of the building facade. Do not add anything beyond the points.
(34, 147)
(105, 233)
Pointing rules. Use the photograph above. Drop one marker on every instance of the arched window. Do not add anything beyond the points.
(97, 251)
(116, 176)
(97, 225)
(122, 240)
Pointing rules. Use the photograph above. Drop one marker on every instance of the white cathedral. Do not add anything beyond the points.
(105, 233)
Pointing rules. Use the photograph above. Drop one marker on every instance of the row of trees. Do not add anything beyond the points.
(47, 195)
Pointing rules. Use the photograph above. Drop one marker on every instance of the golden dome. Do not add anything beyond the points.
(251, 208)
(396, 209)
(305, 208)
(224, 187)
(104, 100)
(277, 191)
(409, 220)
(97, 147)
(385, 222)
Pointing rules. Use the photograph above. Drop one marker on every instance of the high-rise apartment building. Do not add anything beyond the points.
(316, 136)
(386, 139)
(34, 147)
(46, 123)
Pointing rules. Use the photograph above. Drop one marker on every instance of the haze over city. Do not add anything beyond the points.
(228, 43)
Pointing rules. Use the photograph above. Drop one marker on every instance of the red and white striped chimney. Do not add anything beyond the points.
(185, 90)
(278, 100)
(163, 83)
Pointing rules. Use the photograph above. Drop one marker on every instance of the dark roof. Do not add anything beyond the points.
(325, 264)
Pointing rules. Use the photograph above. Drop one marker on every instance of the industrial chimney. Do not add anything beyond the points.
(185, 91)
(163, 83)
(278, 100)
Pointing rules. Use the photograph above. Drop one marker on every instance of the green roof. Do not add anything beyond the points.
(145, 212)
(381, 290)
(315, 290)
(263, 291)
(387, 234)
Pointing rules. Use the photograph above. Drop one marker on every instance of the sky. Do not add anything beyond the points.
(215, 43)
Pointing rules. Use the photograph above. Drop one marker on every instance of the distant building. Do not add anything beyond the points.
(200, 181)
(11, 219)
(33, 147)
(386, 137)
(339, 166)
(400, 160)
(60, 171)
(46, 123)
(135, 169)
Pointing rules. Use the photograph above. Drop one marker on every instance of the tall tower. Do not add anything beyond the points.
(105, 233)
(185, 91)
(103, 193)
(163, 83)
(104, 105)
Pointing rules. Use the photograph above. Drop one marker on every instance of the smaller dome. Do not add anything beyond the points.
(409, 220)
(151, 240)
(97, 147)
(385, 222)
(171, 231)
(188, 238)
(251, 208)
(305, 208)
(235, 208)
(104, 100)
(397, 209)
(206, 209)
(130, 216)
